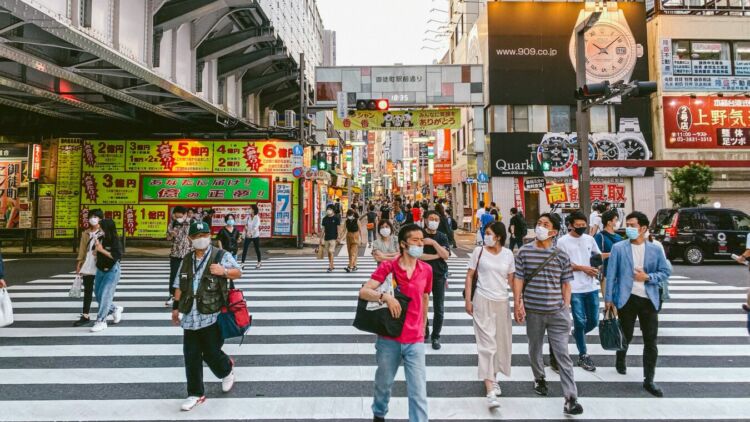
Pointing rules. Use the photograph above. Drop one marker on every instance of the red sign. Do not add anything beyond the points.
(707, 122)
(36, 162)
(443, 163)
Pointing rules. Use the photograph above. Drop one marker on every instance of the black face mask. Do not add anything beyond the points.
(579, 230)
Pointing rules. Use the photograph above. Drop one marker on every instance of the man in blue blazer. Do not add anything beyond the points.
(635, 271)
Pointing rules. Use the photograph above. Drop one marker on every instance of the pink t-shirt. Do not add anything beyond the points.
(414, 287)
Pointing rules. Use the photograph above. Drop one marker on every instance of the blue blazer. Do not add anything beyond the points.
(620, 273)
(2, 267)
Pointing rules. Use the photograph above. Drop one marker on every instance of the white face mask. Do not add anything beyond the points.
(181, 220)
(385, 232)
(201, 243)
(94, 221)
(617, 224)
(329, 213)
(433, 225)
(489, 240)
(542, 233)
(351, 217)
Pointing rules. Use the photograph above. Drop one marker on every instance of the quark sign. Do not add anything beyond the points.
(510, 168)
(510, 154)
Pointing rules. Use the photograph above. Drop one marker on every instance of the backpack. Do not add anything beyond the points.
(234, 319)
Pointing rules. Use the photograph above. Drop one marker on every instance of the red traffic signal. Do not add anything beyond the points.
(593, 90)
(380, 104)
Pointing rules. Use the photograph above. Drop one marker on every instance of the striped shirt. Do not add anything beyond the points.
(544, 292)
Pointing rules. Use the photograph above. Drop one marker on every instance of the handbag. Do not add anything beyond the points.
(474, 279)
(6, 309)
(611, 336)
(75, 289)
(379, 320)
(234, 319)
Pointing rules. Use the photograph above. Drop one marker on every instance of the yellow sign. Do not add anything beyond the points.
(103, 156)
(146, 220)
(265, 157)
(110, 188)
(113, 212)
(418, 120)
(169, 156)
(556, 193)
(333, 142)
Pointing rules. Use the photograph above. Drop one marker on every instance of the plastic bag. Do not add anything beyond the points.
(75, 289)
(6, 309)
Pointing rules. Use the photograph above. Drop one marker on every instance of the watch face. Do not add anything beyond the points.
(635, 149)
(608, 149)
(611, 52)
(592, 148)
(557, 150)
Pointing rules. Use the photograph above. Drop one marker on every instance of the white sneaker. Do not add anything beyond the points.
(258, 266)
(117, 316)
(227, 382)
(169, 301)
(496, 389)
(99, 326)
(191, 402)
(492, 401)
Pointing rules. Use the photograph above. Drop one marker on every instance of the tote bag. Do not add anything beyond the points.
(6, 309)
(378, 319)
(611, 336)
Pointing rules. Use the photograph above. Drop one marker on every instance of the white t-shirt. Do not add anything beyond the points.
(252, 227)
(580, 249)
(492, 282)
(595, 219)
(480, 213)
(639, 254)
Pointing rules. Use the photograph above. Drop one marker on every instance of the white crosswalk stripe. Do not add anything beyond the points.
(302, 359)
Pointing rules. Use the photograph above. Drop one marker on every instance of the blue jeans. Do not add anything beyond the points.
(105, 284)
(370, 235)
(389, 355)
(585, 307)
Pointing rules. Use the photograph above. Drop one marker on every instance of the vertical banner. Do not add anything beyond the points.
(282, 224)
(266, 217)
(10, 181)
(68, 193)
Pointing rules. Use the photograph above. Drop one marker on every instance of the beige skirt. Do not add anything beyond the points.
(493, 330)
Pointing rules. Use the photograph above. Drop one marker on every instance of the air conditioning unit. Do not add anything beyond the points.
(289, 118)
(273, 118)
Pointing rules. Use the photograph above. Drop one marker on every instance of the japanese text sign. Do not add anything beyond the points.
(103, 156)
(253, 157)
(168, 156)
(197, 188)
(706, 122)
(417, 120)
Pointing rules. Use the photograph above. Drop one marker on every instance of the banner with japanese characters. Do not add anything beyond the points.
(103, 155)
(170, 156)
(253, 157)
(110, 188)
(418, 120)
(563, 193)
(68, 189)
(10, 181)
(706, 122)
(160, 188)
(112, 212)
(283, 209)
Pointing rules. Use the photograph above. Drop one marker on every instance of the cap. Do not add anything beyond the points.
(199, 227)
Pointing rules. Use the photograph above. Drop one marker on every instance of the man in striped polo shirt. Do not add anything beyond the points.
(541, 292)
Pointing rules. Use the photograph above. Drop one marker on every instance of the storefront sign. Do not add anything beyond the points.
(145, 220)
(265, 157)
(68, 191)
(282, 224)
(169, 156)
(112, 212)
(564, 193)
(10, 181)
(104, 156)
(556, 193)
(46, 200)
(266, 217)
(706, 122)
(700, 75)
(157, 188)
(417, 120)
(110, 188)
(535, 183)
(36, 161)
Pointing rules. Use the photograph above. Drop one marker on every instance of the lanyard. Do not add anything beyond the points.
(202, 263)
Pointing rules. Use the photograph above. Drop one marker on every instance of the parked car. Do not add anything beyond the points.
(697, 234)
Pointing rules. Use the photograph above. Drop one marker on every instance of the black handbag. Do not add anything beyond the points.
(611, 336)
(380, 321)
(474, 278)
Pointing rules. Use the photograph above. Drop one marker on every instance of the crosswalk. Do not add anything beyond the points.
(302, 359)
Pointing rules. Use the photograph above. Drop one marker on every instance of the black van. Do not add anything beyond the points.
(696, 234)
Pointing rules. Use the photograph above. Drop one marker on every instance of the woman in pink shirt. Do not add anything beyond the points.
(414, 279)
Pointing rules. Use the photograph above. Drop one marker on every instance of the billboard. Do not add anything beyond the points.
(706, 122)
(418, 120)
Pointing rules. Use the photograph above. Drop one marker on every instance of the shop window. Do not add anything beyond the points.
(561, 119)
(520, 118)
(599, 116)
(499, 118)
(539, 119)
(742, 58)
(692, 57)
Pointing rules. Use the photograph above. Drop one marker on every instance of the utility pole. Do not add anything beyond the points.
(301, 180)
(583, 122)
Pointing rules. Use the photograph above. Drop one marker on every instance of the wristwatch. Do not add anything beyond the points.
(633, 144)
(607, 149)
(556, 148)
(611, 48)
(573, 140)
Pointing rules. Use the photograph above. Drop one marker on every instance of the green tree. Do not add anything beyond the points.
(688, 182)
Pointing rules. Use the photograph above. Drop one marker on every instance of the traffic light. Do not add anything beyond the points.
(546, 165)
(593, 90)
(322, 160)
(379, 104)
(334, 160)
(643, 88)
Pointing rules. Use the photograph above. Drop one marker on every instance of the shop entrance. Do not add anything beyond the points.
(531, 199)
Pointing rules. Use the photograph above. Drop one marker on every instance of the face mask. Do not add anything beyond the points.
(579, 230)
(631, 233)
(385, 232)
(230, 222)
(646, 234)
(181, 220)
(489, 240)
(542, 233)
(351, 217)
(433, 225)
(329, 213)
(94, 221)
(201, 243)
(415, 251)
(617, 225)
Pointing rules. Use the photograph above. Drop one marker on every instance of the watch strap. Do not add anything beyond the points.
(629, 124)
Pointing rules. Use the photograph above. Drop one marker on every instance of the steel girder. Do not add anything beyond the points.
(36, 109)
(216, 47)
(176, 12)
(253, 85)
(277, 97)
(242, 63)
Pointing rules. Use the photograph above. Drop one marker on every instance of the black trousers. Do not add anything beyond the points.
(648, 318)
(438, 306)
(256, 242)
(200, 346)
(174, 266)
(88, 292)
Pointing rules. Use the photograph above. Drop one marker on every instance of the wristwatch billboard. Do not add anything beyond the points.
(607, 148)
(556, 148)
(573, 140)
(633, 144)
(611, 48)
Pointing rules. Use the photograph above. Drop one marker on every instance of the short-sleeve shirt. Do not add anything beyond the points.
(385, 213)
(439, 266)
(492, 281)
(579, 250)
(385, 246)
(595, 219)
(371, 216)
(486, 219)
(331, 227)
(544, 292)
(414, 287)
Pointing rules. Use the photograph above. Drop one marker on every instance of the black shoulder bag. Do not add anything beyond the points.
(539, 268)
(380, 321)
(474, 278)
